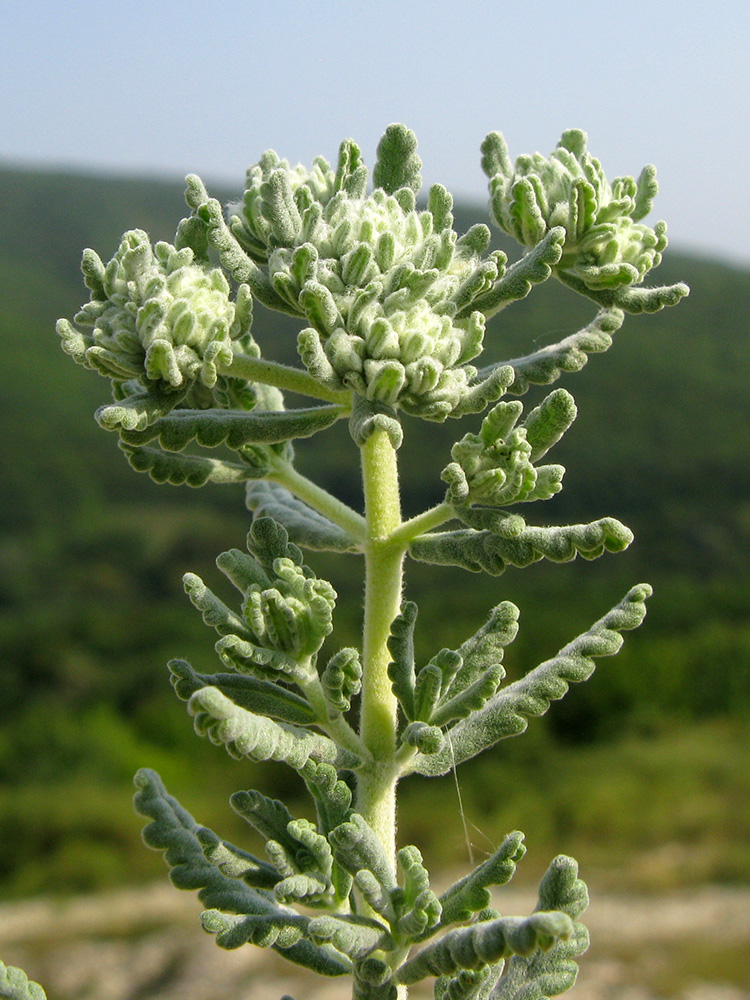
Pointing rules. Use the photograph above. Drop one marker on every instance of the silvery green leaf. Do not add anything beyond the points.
(269, 817)
(547, 423)
(138, 411)
(546, 365)
(517, 280)
(16, 985)
(261, 697)
(235, 429)
(342, 679)
(173, 830)
(245, 734)
(214, 611)
(484, 551)
(235, 863)
(275, 930)
(368, 417)
(306, 527)
(632, 299)
(485, 943)
(547, 974)
(507, 713)
(333, 797)
(427, 739)
(485, 649)
(398, 165)
(351, 934)
(470, 894)
(357, 849)
(401, 647)
(193, 470)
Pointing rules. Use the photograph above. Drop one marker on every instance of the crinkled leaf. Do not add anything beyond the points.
(485, 943)
(470, 894)
(484, 551)
(306, 527)
(245, 734)
(233, 428)
(258, 696)
(507, 713)
(547, 974)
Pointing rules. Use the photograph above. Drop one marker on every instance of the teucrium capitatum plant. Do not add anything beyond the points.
(392, 306)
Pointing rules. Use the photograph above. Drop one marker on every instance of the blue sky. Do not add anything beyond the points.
(163, 89)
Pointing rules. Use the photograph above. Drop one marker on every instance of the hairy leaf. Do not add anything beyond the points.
(245, 734)
(234, 428)
(484, 551)
(485, 943)
(306, 527)
(507, 713)
(260, 697)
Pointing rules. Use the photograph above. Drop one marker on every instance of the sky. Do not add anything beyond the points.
(161, 89)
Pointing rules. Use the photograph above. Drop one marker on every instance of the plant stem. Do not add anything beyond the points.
(376, 791)
(319, 499)
(283, 377)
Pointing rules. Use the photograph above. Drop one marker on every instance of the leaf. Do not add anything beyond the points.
(138, 411)
(401, 647)
(235, 863)
(191, 470)
(357, 849)
(634, 299)
(470, 895)
(518, 280)
(16, 985)
(258, 696)
(245, 734)
(547, 974)
(480, 551)
(369, 416)
(397, 165)
(546, 365)
(214, 611)
(351, 934)
(484, 944)
(486, 648)
(233, 428)
(547, 423)
(306, 527)
(173, 830)
(507, 713)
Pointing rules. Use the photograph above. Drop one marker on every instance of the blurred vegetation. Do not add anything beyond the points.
(652, 751)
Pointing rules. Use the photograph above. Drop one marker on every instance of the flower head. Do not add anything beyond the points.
(606, 245)
(157, 317)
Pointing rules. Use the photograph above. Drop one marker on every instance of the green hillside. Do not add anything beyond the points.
(91, 554)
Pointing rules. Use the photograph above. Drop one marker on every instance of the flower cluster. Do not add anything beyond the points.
(286, 612)
(606, 246)
(157, 317)
(387, 289)
(495, 467)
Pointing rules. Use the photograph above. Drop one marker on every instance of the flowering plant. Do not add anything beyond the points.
(392, 305)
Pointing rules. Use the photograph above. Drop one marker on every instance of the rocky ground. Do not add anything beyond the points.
(145, 945)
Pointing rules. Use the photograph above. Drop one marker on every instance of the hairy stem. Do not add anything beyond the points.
(283, 377)
(321, 500)
(376, 792)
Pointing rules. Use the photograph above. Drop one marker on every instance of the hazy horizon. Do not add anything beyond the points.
(158, 91)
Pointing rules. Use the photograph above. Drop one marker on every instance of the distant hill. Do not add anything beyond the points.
(91, 554)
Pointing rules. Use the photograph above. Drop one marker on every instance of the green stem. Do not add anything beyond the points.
(283, 377)
(321, 500)
(426, 521)
(376, 790)
(335, 725)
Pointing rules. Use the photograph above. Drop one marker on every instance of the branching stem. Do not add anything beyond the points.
(283, 377)
(376, 793)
